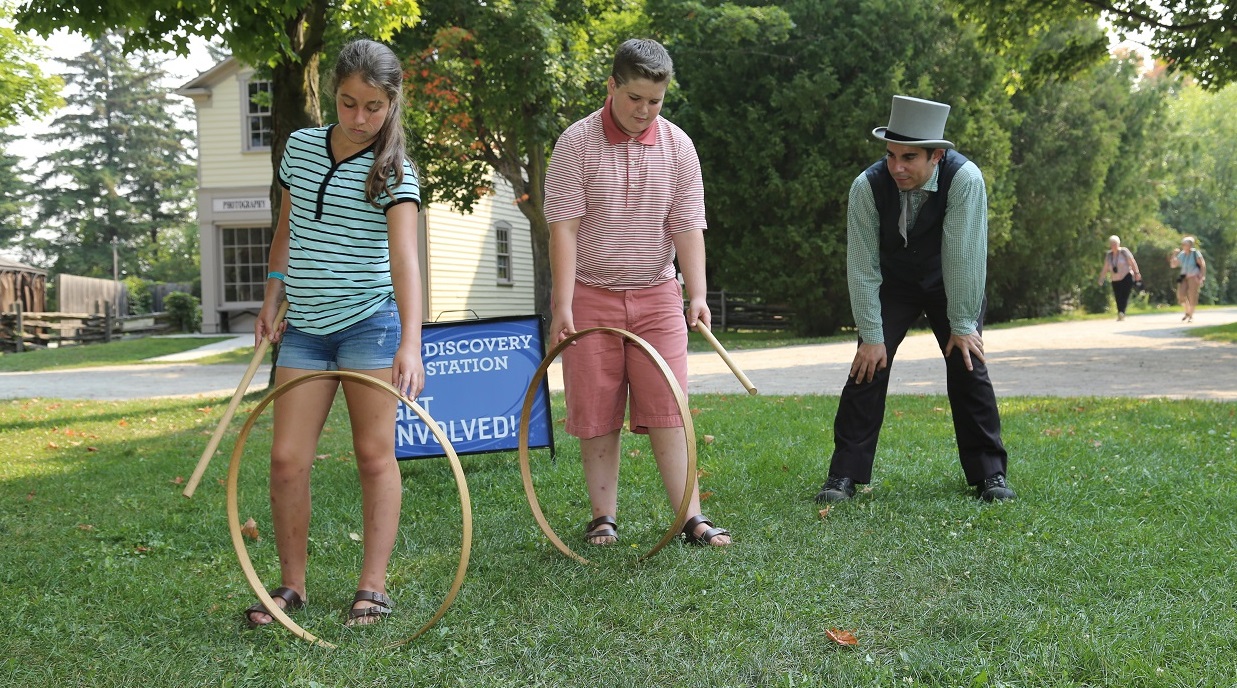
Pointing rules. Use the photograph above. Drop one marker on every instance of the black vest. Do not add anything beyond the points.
(917, 259)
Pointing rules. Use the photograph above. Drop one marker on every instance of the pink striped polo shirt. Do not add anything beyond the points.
(631, 195)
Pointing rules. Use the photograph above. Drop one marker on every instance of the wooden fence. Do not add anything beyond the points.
(734, 311)
(21, 330)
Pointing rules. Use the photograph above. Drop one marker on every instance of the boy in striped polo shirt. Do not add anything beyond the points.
(623, 196)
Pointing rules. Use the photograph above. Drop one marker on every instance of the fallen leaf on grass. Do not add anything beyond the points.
(250, 530)
(53, 445)
(695, 412)
(842, 637)
(85, 526)
(178, 480)
(204, 409)
(30, 496)
(92, 449)
(355, 537)
(122, 423)
(824, 512)
(709, 439)
(705, 495)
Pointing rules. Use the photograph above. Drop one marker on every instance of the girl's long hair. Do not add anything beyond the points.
(378, 66)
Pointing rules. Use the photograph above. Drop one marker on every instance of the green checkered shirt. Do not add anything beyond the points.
(964, 251)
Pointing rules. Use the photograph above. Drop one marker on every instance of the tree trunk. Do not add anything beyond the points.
(296, 103)
(533, 208)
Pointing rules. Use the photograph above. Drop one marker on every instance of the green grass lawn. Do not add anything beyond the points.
(1113, 568)
(1217, 333)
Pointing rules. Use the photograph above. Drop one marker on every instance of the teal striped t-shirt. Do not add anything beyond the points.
(339, 263)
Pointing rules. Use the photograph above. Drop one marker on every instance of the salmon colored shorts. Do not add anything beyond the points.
(599, 369)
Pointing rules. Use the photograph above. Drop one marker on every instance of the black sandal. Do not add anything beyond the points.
(292, 601)
(383, 606)
(705, 538)
(600, 527)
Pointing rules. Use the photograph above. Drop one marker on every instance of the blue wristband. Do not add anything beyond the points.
(277, 275)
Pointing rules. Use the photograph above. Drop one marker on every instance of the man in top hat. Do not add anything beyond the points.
(917, 243)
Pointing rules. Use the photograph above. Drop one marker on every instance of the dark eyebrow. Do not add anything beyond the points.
(358, 100)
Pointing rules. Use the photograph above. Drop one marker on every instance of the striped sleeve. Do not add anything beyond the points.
(687, 208)
(564, 177)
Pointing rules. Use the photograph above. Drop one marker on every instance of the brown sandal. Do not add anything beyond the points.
(292, 601)
(383, 606)
(705, 538)
(601, 527)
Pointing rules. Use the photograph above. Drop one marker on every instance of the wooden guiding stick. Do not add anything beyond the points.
(721, 351)
(258, 353)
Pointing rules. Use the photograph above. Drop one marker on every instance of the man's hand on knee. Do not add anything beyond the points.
(970, 345)
(869, 359)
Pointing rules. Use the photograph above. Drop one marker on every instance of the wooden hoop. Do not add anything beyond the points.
(689, 432)
(234, 525)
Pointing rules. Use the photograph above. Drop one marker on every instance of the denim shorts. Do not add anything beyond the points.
(367, 345)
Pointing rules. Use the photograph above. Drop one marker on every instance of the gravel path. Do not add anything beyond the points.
(1143, 356)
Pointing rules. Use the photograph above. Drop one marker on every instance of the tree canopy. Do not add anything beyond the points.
(1198, 37)
(492, 85)
(286, 36)
(782, 121)
(118, 170)
(1201, 162)
(25, 91)
(14, 194)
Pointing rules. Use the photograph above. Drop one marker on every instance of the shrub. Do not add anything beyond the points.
(184, 310)
(140, 296)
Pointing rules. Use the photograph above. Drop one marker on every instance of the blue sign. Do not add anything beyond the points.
(476, 375)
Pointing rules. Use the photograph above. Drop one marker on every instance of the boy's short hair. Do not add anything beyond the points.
(642, 58)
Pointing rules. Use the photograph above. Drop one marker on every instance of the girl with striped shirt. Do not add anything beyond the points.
(344, 253)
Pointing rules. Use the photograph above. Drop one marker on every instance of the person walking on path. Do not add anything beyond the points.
(916, 243)
(346, 247)
(624, 195)
(1190, 280)
(1122, 269)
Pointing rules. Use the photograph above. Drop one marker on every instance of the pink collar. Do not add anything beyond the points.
(615, 134)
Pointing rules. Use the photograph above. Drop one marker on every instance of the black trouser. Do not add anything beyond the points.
(1121, 291)
(861, 410)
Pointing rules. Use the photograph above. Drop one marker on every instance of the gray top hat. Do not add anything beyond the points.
(915, 122)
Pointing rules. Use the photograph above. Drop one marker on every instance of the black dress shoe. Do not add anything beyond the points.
(838, 488)
(994, 489)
